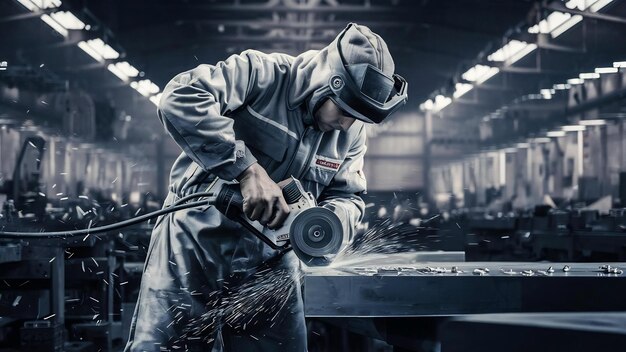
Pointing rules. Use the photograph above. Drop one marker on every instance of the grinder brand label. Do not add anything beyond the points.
(326, 163)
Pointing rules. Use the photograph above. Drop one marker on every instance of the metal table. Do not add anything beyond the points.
(405, 303)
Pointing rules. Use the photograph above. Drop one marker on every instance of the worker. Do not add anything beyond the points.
(260, 119)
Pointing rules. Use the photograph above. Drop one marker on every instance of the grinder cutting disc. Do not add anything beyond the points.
(315, 234)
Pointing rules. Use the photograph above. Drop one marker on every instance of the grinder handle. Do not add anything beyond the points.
(229, 201)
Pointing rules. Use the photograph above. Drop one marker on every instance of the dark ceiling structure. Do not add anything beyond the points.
(433, 42)
(429, 39)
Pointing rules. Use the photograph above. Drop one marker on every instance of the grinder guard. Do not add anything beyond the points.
(316, 236)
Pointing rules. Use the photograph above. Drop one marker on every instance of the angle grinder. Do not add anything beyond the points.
(315, 233)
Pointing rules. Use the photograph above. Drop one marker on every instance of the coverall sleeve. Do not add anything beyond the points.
(195, 106)
(343, 193)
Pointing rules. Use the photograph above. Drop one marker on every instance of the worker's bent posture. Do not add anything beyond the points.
(257, 118)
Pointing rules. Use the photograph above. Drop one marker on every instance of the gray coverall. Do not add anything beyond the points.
(252, 107)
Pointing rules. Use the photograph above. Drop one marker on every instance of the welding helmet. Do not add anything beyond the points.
(362, 90)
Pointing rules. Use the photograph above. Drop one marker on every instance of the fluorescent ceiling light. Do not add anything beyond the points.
(54, 25)
(547, 25)
(90, 51)
(520, 54)
(580, 4)
(29, 5)
(145, 87)
(47, 4)
(561, 86)
(461, 89)
(574, 81)
(573, 128)
(35, 5)
(596, 122)
(480, 73)
(541, 140)
(116, 71)
(427, 105)
(619, 64)
(128, 69)
(589, 75)
(156, 98)
(556, 24)
(508, 51)
(68, 20)
(441, 102)
(598, 5)
(606, 70)
(547, 93)
(103, 49)
(556, 134)
(566, 26)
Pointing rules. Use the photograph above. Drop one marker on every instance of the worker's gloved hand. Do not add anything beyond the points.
(262, 198)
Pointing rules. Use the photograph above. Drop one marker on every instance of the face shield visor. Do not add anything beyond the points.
(364, 92)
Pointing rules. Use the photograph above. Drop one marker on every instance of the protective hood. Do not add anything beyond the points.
(311, 71)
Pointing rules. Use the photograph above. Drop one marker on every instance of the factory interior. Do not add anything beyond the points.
(494, 217)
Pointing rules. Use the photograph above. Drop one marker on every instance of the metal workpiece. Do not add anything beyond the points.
(433, 289)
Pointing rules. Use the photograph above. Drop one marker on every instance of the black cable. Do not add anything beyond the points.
(192, 196)
(64, 234)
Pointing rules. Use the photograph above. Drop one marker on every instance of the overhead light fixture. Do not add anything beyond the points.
(511, 52)
(155, 99)
(580, 4)
(90, 51)
(619, 64)
(541, 140)
(547, 25)
(29, 5)
(599, 5)
(461, 89)
(145, 87)
(592, 5)
(54, 25)
(441, 102)
(573, 128)
(575, 81)
(547, 93)
(520, 54)
(99, 50)
(104, 49)
(555, 24)
(571, 22)
(561, 86)
(606, 70)
(556, 134)
(68, 20)
(127, 69)
(35, 5)
(589, 75)
(116, 71)
(47, 4)
(427, 105)
(595, 122)
(480, 73)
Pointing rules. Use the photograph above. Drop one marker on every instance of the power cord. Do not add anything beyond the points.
(65, 234)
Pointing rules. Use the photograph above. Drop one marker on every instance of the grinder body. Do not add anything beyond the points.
(315, 233)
